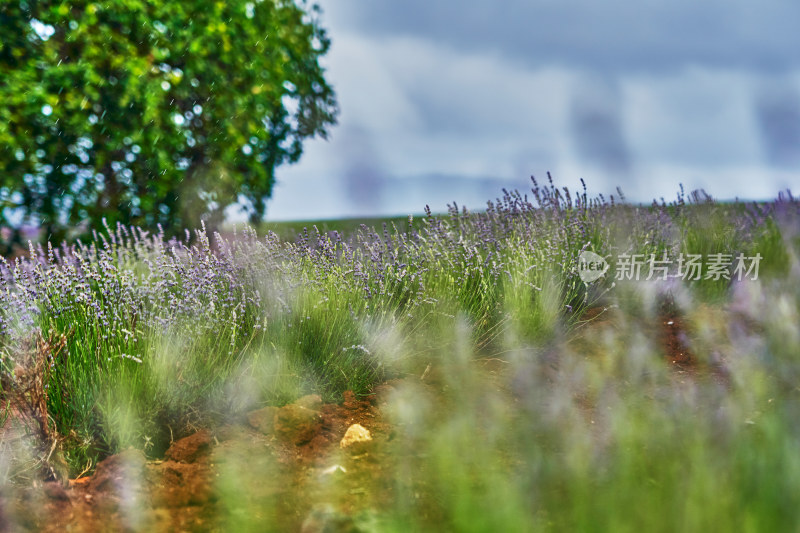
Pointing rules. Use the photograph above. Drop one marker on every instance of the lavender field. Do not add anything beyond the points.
(501, 389)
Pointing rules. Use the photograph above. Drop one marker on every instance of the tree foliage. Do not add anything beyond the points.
(145, 112)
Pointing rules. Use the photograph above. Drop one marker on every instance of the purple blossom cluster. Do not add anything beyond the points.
(123, 282)
(126, 280)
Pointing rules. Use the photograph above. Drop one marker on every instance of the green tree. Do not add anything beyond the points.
(145, 111)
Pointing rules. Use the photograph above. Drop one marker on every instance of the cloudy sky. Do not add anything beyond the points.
(451, 101)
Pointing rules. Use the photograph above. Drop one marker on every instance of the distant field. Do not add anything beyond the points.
(291, 229)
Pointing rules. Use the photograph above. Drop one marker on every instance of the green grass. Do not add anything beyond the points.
(529, 419)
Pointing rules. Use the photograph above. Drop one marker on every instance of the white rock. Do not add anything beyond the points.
(333, 469)
(355, 433)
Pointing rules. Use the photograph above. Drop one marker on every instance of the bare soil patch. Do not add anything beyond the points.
(295, 458)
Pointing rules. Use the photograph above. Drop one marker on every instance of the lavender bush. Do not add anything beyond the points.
(157, 329)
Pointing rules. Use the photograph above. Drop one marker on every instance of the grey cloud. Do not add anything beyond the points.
(596, 127)
(610, 35)
(438, 190)
(442, 116)
(778, 113)
(363, 174)
(446, 101)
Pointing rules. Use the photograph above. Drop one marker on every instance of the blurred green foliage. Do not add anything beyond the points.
(148, 112)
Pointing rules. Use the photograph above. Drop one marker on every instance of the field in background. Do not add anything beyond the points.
(206, 382)
(289, 231)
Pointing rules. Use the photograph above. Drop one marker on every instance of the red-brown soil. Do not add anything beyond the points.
(298, 448)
